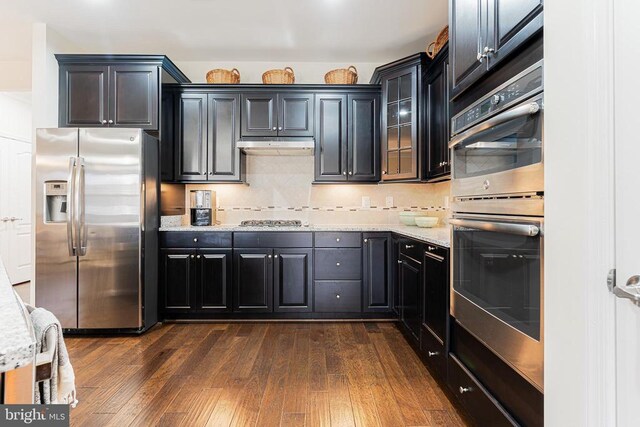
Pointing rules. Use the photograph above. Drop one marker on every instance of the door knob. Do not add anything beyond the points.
(280, 128)
(337, 264)
(269, 256)
(464, 390)
(338, 296)
(198, 256)
(274, 128)
(629, 291)
(110, 121)
(350, 173)
(104, 122)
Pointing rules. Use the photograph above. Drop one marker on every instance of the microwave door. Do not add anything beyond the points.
(56, 153)
(110, 215)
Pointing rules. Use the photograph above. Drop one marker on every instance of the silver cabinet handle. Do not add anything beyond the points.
(344, 173)
(399, 261)
(104, 122)
(195, 239)
(489, 51)
(337, 239)
(280, 128)
(269, 256)
(408, 246)
(432, 353)
(464, 390)
(431, 248)
(198, 256)
(365, 240)
(350, 173)
(338, 296)
(275, 256)
(193, 256)
(337, 264)
(384, 172)
(110, 122)
(274, 128)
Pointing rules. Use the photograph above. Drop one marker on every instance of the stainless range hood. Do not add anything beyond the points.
(277, 147)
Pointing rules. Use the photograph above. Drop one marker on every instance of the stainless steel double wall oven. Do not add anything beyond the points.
(498, 221)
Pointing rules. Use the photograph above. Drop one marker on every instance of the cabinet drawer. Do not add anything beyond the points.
(434, 351)
(482, 407)
(273, 239)
(338, 240)
(411, 248)
(195, 239)
(337, 296)
(337, 264)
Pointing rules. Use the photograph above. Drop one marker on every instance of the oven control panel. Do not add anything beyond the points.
(522, 86)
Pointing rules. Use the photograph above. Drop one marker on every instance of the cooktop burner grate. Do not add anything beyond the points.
(271, 223)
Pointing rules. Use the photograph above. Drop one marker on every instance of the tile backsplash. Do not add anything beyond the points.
(280, 187)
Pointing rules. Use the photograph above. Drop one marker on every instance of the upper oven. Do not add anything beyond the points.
(497, 142)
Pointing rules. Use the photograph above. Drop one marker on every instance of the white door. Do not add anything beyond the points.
(627, 207)
(15, 209)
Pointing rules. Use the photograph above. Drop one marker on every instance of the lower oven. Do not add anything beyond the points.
(497, 286)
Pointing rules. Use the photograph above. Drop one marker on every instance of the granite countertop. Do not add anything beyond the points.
(17, 344)
(437, 235)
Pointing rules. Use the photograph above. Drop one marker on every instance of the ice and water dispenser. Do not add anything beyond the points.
(55, 193)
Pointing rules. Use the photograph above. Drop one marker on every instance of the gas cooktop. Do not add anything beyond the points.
(271, 223)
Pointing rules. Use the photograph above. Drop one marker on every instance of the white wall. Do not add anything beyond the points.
(15, 76)
(15, 115)
(251, 72)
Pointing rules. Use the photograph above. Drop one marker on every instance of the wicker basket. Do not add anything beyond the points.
(220, 75)
(275, 77)
(441, 40)
(342, 76)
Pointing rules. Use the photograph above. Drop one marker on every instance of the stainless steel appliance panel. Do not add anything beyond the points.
(110, 188)
(498, 287)
(56, 266)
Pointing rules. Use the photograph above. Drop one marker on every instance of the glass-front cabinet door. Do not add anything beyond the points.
(400, 126)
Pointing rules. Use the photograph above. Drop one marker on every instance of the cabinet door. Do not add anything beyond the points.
(254, 280)
(436, 290)
(133, 96)
(214, 281)
(512, 23)
(191, 146)
(295, 114)
(292, 279)
(400, 125)
(167, 136)
(224, 131)
(410, 284)
(364, 138)
(83, 95)
(376, 272)
(468, 36)
(179, 275)
(259, 114)
(331, 138)
(395, 275)
(438, 120)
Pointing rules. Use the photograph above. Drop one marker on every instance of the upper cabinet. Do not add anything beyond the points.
(207, 128)
(270, 114)
(347, 137)
(113, 90)
(483, 32)
(437, 104)
(402, 124)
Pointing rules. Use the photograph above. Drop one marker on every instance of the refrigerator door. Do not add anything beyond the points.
(109, 270)
(56, 264)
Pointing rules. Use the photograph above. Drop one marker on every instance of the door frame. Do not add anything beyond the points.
(580, 377)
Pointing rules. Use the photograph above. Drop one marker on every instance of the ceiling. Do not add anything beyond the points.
(239, 30)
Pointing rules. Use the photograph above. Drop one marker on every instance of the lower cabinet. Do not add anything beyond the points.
(410, 276)
(268, 280)
(376, 272)
(435, 307)
(195, 280)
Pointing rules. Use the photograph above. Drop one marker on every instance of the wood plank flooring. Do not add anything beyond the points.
(256, 374)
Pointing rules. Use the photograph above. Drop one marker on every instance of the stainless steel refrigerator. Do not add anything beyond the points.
(97, 227)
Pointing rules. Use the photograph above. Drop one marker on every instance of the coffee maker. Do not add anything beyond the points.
(200, 207)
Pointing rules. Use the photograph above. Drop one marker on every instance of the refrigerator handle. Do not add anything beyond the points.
(70, 206)
(81, 232)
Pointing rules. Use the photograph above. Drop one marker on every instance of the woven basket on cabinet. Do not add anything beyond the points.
(342, 76)
(275, 77)
(220, 75)
(435, 46)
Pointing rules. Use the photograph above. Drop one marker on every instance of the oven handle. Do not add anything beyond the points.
(501, 227)
(512, 114)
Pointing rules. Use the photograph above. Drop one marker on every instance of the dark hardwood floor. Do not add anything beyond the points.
(256, 374)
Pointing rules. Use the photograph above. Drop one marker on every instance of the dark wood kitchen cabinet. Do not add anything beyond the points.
(410, 282)
(292, 279)
(253, 270)
(113, 90)
(376, 272)
(195, 280)
(438, 124)
(282, 114)
(207, 129)
(347, 137)
(402, 124)
(484, 32)
(435, 307)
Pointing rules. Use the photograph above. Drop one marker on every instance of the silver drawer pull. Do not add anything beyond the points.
(275, 256)
(464, 390)
(337, 239)
(338, 296)
(408, 246)
(432, 353)
(399, 261)
(195, 239)
(431, 248)
(338, 264)
(365, 240)
(269, 256)
(198, 256)
(193, 256)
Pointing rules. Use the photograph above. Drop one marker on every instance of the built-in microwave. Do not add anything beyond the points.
(497, 142)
